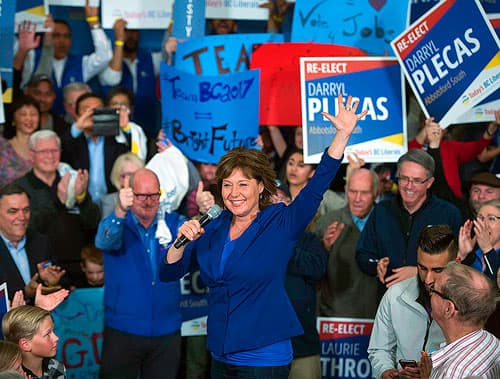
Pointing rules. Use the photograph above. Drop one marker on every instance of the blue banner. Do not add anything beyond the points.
(206, 116)
(194, 305)
(366, 24)
(452, 63)
(344, 345)
(79, 324)
(7, 14)
(379, 136)
(419, 7)
(189, 19)
(219, 54)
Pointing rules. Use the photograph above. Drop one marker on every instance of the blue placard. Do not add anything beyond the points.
(379, 136)
(451, 62)
(419, 7)
(219, 54)
(79, 324)
(206, 116)
(366, 24)
(189, 19)
(7, 14)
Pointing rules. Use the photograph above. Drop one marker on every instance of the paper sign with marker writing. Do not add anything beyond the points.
(380, 136)
(451, 62)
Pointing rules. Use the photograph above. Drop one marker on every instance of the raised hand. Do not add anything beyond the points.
(204, 199)
(119, 29)
(125, 199)
(465, 242)
(17, 300)
(331, 234)
(81, 183)
(62, 188)
(51, 300)
(433, 132)
(27, 36)
(51, 274)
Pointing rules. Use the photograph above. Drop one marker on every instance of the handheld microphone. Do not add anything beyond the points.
(212, 213)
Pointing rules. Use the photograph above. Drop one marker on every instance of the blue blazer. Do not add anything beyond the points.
(248, 304)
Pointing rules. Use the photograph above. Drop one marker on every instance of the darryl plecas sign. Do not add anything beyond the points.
(452, 62)
(376, 82)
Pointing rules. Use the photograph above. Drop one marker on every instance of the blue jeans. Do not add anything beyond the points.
(221, 370)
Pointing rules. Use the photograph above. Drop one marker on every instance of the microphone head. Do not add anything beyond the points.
(214, 211)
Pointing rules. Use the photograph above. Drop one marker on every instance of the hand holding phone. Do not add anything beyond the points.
(408, 363)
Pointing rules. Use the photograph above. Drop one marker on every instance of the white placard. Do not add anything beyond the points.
(237, 9)
(73, 3)
(139, 14)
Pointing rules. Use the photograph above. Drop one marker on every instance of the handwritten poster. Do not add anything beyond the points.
(451, 62)
(206, 116)
(219, 54)
(79, 324)
(139, 14)
(380, 136)
(189, 16)
(365, 24)
(280, 77)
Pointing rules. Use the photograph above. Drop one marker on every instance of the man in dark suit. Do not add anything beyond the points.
(25, 257)
(82, 149)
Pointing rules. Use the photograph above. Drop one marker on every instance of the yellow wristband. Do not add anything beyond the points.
(118, 43)
(92, 19)
(277, 18)
(81, 196)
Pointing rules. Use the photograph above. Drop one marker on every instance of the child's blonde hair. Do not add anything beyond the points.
(23, 322)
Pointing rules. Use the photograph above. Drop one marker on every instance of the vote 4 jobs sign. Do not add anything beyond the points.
(451, 59)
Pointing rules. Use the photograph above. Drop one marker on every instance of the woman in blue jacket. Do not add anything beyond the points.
(244, 253)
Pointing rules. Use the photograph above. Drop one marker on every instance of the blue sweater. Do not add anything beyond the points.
(135, 301)
(248, 304)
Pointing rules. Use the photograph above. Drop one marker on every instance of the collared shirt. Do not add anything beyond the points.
(361, 222)
(20, 257)
(97, 179)
(149, 242)
(475, 354)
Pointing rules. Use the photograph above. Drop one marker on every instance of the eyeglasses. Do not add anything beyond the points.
(490, 218)
(405, 180)
(144, 196)
(47, 151)
(441, 295)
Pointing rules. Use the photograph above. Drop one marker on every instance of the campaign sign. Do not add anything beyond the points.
(31, 10)
(380, 136)
(344, 345)
(206, 116)
(79, 324)
(4, 303)
(237, 9)
(451, 62)
(73, 3)
(365, 24)
(280, 77)
(139, 14)
(194, 305)
(219, 54)
(7, 12)
(189, 16)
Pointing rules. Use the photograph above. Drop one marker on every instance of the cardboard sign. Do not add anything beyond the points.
(380, 136)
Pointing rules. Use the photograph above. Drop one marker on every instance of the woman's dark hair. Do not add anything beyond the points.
(254, 164)
(9, 130)
(289, 152)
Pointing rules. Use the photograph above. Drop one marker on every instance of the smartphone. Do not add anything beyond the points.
(106, 122)
(408, 363)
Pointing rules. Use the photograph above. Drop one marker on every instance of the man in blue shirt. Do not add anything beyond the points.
(142, 316)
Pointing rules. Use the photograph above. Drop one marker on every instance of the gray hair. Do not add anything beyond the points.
(116, 171)
(373, 174)
(75, 86)
(492, 203)
(471, 291)
(43, 135)
(421, 158)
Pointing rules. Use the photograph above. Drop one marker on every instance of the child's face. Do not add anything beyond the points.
(94, 273)
(44, 342)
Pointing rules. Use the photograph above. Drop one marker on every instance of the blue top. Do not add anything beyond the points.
(135, 301)
(248, 304)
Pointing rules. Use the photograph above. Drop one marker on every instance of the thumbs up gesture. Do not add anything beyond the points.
(125, 199)
(204, 199)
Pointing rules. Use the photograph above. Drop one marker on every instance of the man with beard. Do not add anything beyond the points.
(137, 70)
(141, 314)
(484, 186)
(403, 327)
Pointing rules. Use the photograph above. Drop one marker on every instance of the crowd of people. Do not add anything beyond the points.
(413, 245)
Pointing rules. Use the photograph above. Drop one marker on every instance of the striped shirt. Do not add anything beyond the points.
(476, 354)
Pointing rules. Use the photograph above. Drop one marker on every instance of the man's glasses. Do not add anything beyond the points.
(47, 152)
(405, 180)
(441, 295)
(490, 218)
(144, 196)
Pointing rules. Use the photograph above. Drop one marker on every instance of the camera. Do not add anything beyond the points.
(106, 122)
